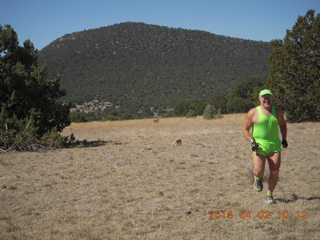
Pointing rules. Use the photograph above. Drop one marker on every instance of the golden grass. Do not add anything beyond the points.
(139, 186)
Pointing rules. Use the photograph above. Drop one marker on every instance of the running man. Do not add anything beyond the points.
(265, 121)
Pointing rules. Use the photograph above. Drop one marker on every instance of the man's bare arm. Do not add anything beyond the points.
(247, 124)
(282, 125)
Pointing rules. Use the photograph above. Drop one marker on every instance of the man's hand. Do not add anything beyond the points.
(284, 143)
(254, 146)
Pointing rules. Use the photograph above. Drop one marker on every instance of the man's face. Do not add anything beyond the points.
(265, 101)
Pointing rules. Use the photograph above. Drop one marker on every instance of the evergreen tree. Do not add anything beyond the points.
(189, 107)
(220, 102)
(29, 108)
(245, 94)
(208, 112)
(211, 112)
(295, 69)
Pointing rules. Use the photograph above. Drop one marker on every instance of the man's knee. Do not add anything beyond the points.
(274, 172)
(258, 170)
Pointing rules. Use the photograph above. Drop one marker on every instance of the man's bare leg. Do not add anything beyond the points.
(258, 171)
(274, 161)
(258, 164)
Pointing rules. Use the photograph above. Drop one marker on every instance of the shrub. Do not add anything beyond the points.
(189, 108)
(78, 117)
(191, 113)
(210, 112)
(110, 117)
(53, 139)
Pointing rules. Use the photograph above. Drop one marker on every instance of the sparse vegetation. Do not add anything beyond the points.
(129, 182)
(126, 179)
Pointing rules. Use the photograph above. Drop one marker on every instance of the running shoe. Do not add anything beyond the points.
(258, 185)
(269, 200)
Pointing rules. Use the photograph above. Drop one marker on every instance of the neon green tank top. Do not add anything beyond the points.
(267, 127)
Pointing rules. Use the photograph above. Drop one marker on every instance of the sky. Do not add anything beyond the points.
(43, 21)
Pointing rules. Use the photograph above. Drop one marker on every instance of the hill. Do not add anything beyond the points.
(137, 66)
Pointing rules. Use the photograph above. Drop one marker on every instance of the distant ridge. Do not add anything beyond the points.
(138, 66)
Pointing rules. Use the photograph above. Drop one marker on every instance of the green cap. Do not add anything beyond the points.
(265, 92)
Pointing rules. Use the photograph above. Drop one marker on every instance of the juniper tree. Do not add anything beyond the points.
(295, 69)
(28, 99)
(209, 112)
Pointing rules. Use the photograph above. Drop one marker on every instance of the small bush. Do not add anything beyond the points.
(191, 113)
(27, 139)
(189, 108)
(128, 116)
(210, 112)
(78, 117)
(110, 117)
(54, 140)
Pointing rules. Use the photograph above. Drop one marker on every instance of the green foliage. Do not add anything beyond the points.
(128, 116)
(219, 102)
(100, 116)
(209, 111)
(218, 114)
(29, 107)
(191, 113)
(110, 117)
(189, 108)
(138, 66)
(295, 71)
(16, 133)
(52, 139)
(78, 117)
(239, 105)
(245, 94)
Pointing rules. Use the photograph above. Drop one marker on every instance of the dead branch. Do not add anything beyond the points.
(6, 150)
(28, 123)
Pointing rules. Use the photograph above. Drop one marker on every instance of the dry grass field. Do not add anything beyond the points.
(133, 183)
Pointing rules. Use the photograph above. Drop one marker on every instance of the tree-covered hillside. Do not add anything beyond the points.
(137, 66)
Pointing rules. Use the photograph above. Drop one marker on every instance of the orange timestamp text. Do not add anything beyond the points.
(261, 214)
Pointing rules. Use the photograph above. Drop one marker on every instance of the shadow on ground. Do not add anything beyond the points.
(87, 144)
(295, 198)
